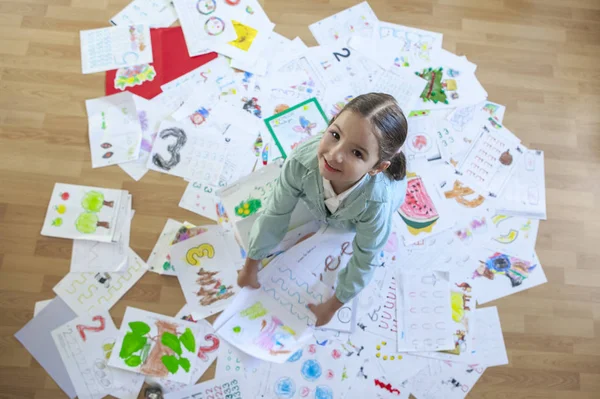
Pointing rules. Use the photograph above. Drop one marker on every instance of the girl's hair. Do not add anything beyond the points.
(391, 127)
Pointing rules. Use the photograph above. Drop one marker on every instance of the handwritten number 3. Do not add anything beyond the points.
(173, 149)
(81, 328)
(345, 55)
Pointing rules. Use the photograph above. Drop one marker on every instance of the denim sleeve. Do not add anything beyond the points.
(272, 224)
(372, 232)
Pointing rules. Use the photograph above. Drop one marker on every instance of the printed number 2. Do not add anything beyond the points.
(81, 328)
(345, 55)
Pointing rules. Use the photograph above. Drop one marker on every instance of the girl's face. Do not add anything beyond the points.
(348, 150)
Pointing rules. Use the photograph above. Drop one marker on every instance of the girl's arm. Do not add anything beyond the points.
(272, 224)
(372, 232)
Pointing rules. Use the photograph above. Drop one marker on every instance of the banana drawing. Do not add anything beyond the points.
(507, 239)
(201, 251)
(496, 219)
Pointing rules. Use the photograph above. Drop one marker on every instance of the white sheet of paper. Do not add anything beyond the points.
(40, 305)
(139, 349)
(372, 381)
(358, 20)
(411, 46)
(92, 292)
(427, 316)
(205, 271)
(208, 158)
(226, 387)
(381, 318)
(525, 191)
(496, 275)
(512, 234)
(421, 140)
(88, 256)
(114, 129)
(205, 23)
(276, 43)
(235, 363)
(200, 198)
(84, 345)
(403, 85)
(489, 349)
(490, 161)
(111, 48)
(154, 13)
(159, 261)
(252, 38)
(82, 212)
(445, 380)
(37, 339)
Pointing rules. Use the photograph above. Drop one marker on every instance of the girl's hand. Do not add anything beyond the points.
(248, 276)
(325, 311)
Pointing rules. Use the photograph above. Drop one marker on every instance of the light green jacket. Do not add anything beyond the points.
(368, 210)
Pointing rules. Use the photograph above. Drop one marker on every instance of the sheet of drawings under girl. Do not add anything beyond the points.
(223, 117)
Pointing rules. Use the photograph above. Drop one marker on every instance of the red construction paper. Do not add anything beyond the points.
(171, 60)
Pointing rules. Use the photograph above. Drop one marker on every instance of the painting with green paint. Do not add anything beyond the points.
(82, 212)
(157, 346)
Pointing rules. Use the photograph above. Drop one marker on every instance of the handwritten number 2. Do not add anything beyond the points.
(345, 55)
(81, 328)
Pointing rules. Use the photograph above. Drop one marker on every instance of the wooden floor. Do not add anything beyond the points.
(540, 58)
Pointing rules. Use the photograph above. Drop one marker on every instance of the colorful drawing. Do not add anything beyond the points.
(245, 36)
(248, 207)
(381, 354)
(198, 117)
(459, 192)
(338, 106)
(93, 201)
(211, 289)
(251, 106)
(87, 223)
(134, 76)
(214, 26)
(434, 90)
(311, 370)
(418, 210)
(515, 269)
(258, 145)
(285, 388)
(305, 126)
(201, 251)
(206, 7)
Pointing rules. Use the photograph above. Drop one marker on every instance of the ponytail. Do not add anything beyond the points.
(397, 168)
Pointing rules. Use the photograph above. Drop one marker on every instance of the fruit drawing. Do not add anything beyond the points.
(506, 158)
(249, 207)
(57, 222)
(64, 196)
(93, 201)
(434, 90)
(60, 209)
(88, 222)
(508, 238)
(418, 210)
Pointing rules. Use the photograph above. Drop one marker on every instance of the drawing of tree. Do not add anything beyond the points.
(93, 201)
(88, 222)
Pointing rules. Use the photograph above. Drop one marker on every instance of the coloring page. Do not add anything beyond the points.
(36, 337)
(208, 157)
(359, 20)
(423, 213)
(205, 23)
(105, 256)
(197, 107)
(311, 87)
(403, 85)
(154, 13)
(82, 212)
(150, 115)
(411, 46)
(247, 196)
(454, 144)
(207, 352)
(525, 191)
(84, 345)
(159, 260)
(496, 274)
(213, 72)
(451, 82)
(419, 141)
(205, 271)
(513, 234)
(319, 371)
(297, 124)
(114, 129)
(200, 199)
(157, 345)
(112, 48)
(426, 318)
(275, 45)
(491, 159)
(458, 196)
(445, 380)
(489, 349)
(381, 319)
(88, 292)
(226, 387)
(462, 116)
(173, 148)
(235, 363)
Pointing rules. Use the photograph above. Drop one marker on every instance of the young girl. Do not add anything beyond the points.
(350, 177)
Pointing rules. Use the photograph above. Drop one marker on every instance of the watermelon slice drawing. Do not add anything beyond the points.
(418, 210)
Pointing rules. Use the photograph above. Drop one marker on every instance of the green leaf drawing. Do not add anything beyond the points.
(170, 363)
(188, 341)
(171, 341)
(133, 361)
(131, 344)
(185, 364)
(139, 327)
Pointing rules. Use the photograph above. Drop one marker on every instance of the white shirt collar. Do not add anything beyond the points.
(333, 200)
